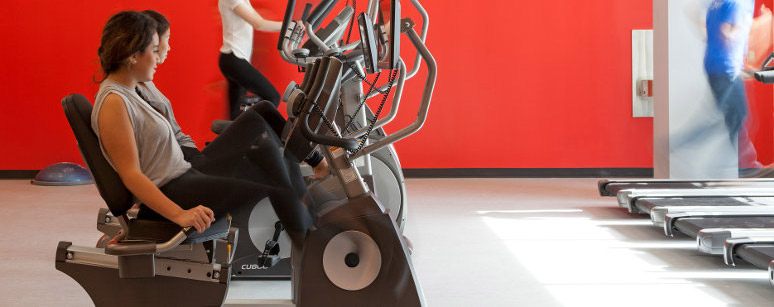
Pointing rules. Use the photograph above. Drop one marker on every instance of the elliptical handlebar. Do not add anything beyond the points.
(328, 71)
(423, 35)
(316, 40)
(286, 23)
(343, 142)
(395, 101)
(766, 74)
(295, 35)
(427, 95)
(294, 39)
(320, 12)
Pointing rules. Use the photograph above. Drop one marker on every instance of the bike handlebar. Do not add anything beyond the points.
(328, 76)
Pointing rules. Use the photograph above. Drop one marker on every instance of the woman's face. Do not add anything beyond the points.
(145, 65)
(164, 46)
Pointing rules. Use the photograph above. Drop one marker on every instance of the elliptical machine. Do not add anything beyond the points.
(361, 57)
(380, 169)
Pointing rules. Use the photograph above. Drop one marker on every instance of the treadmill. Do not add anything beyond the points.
(609, 187)
(630, 192)
(743, 221)
(758, 251)
(711, 216)
(690, 211)
(713, 240)
(745, 235)
(691, 223)
(747, 232)
(757, 248)
(658, 214)
(642, 201)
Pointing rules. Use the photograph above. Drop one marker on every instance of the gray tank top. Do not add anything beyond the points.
(161, 158)
(161, 103)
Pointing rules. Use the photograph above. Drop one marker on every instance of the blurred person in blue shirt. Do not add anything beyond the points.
(728, 30)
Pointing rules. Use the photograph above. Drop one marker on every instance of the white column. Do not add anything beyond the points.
(683, 104)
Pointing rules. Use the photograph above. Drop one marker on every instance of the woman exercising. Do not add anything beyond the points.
(140, 144)
(239, 18)
(201, 160)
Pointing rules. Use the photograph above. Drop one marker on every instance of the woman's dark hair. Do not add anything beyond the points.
(162, 24)
(124, 34)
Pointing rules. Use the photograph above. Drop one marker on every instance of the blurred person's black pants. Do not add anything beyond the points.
(731, 98)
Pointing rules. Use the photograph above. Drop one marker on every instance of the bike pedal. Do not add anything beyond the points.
(271, 248)
(266, 262)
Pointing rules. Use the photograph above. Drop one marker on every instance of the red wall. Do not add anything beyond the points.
(521, 84)
(761, 120)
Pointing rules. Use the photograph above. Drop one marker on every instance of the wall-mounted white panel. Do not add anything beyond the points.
(642, 71)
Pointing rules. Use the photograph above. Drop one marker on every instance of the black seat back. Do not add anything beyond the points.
(77, 109)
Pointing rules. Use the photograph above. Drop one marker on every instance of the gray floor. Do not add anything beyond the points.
(478, 242)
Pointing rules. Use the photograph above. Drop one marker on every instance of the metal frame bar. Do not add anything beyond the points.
(670, 219)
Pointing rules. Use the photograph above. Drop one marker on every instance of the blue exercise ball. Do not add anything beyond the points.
(64, 173)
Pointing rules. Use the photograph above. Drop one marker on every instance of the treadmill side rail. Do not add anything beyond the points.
(671, 218)
(771, 272)
(628, 198)
(623, 199)
(712, 240)
(657, 214)
(602, 187)
(729, 248)
(605, 184)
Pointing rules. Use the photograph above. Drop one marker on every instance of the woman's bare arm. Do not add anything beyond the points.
(117, 137)
(248, 13)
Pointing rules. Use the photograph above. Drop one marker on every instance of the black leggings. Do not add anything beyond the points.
(298, 145)
(220, 179)
(242, 76)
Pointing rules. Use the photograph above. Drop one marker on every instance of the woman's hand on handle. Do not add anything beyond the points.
(199, 217)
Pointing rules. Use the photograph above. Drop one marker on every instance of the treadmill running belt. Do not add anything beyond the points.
(646, 204)
(692, 225)
(759, 255)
